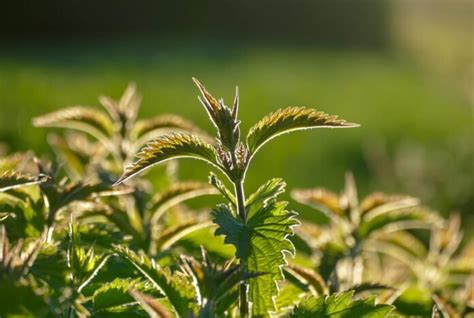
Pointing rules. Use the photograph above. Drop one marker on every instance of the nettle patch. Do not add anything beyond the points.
(80, 238)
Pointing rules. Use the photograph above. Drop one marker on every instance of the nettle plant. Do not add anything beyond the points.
(258, 226)
(81, 237)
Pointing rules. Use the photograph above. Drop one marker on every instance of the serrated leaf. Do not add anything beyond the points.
(268, 191)
(220, 186)
(177, 287)
(86, 119)
(115, 293)
(11, 180)
(172, 146)
(290, 119)
(260, 245)
(340, 305)
(223, 118)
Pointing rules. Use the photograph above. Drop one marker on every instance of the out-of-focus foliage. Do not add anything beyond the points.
(79, 240)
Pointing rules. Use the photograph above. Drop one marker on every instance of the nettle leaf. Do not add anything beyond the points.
(11, 180)
(268, 191)
(149, 128)
(86, 119)
(115, 293)
(171, 235)
(84, 264)
(220, 186)
(290, 119)
(177, 287)
(396, 220)
(178, 193)
(151, 305)
(260, 244)
(223, 117)
(171, 146)
(324, 200)
(340, 305)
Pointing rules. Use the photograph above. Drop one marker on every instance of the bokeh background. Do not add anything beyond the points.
(403, 69)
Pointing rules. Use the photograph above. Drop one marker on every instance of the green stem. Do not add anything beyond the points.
(240, 196)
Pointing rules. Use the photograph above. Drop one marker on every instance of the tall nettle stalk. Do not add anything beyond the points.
(258, 225)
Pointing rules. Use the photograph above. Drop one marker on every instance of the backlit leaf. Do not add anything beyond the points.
(12, 179)
(176, 286)
(340, 305)
(260, 244)
(172, 146)
(290, 119)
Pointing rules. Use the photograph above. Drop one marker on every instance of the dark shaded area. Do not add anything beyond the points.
(360, 23)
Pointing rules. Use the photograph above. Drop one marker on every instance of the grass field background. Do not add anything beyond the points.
(391, 97)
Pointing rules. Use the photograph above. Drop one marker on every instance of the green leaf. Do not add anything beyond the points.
(172, 146)
(147, 129)
(11, 180)
(84, 264)
(151, 305)
(223, 117)
(340, 305)
(115, 293)
(177, 287)
(86, 119)
(260, 244)
(220, 186)
(396, 220)
(177, 193)
(290, 119)
(268, 191)
(171, 235)
(308, 277)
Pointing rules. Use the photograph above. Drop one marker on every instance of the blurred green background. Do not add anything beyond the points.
(402, 69)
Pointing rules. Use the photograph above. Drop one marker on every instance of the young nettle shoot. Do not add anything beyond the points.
(257, 226)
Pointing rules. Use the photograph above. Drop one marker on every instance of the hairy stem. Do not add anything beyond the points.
(240, 196)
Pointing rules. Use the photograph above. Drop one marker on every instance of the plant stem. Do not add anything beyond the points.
(244, 306)
(240, 195)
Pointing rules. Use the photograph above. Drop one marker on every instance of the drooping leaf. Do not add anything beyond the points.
(86, 119)
(147, 129)
(377, 199)
(177, 193)
(397, 220)
(340, 305)
(321, 199)
(174, 234)
(177, 287)
(290, 119)
(11, 180)
(115, 293)
(261, 244)
(172, 146)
